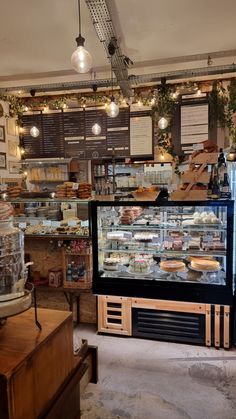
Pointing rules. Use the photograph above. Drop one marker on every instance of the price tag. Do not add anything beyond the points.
(72, 223)
(126, 235)
(56, 224)
(84, 223)
(198, 146)
(156, 240)
(22, 225)
(33, 222)
(186, 238)
(75, 186)
(207, 238)
(47, 223)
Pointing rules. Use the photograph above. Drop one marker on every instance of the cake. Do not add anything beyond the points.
(139, 266)
(6, 211)
(110, 264)
(203, 264)
(143, 237)
(172, 265)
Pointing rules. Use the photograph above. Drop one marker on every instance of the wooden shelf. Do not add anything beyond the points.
(62, 289)
(57, 236)
(47, 181)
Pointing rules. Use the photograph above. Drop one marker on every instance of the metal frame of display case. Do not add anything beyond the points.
(166, 290)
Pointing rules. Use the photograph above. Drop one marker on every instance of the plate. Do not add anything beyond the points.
(140, 273)
(204, 270)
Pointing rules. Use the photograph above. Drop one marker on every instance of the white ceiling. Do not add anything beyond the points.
(38, 36)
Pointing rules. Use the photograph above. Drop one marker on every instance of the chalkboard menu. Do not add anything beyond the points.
(33, 146)
(141, 132)
(53, 135)
(68, 133)
(74, 133)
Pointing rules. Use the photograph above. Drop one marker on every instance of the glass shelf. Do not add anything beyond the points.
(194, 227)
(161, 253)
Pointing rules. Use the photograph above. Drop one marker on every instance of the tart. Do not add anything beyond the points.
(172, 265)
(202, 264)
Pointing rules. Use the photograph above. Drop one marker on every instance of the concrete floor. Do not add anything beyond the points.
(144, 379)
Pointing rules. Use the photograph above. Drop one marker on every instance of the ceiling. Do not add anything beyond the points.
(38, 37)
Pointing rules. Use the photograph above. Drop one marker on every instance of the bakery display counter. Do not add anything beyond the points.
(170, 251)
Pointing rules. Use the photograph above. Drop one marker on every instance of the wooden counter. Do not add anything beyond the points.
(34, 364)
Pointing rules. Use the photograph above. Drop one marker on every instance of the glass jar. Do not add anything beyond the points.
(11, 257)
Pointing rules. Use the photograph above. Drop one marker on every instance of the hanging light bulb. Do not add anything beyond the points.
(96, 129)
(34, 132)
(81, 59)
(112, 109)
(163, 123)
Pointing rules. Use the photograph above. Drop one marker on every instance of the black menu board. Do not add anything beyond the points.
(33, 146)
(96, 145)
(118, 134)
(53, 135)
(74, 133)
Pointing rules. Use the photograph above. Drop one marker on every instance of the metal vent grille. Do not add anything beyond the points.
(170, 326)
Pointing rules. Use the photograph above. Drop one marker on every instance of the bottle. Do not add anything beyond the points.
(222, 169)
(221, 157)
(69, 273)
(225, 190)
(210, 184)
(215, 186)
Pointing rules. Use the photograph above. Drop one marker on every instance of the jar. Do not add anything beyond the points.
(11, 257)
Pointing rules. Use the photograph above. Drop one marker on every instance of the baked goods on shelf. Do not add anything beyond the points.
(6, 211)
(204, 264)
(139, 265)
(172, 265)
(144, 236)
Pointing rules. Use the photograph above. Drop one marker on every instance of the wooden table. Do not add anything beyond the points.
(38, 367)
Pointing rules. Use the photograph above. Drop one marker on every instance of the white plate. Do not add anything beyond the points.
(204, 270)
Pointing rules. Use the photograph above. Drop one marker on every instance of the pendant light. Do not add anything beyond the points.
(81, 59)
(96, 128)
(163, 123)
(112, 109)
(34, 132)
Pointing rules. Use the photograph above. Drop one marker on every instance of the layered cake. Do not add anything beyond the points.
(139, 266)
(203, 264)
(172, 265)
(144, 237)
(110, 264)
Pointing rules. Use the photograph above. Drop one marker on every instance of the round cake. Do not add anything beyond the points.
(139, 266)
(110, 264)
(202, 264)
(172, 265)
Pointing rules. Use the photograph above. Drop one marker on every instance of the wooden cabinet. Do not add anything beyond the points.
(36, 367)
(114, 315)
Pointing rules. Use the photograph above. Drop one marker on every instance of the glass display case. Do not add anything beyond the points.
(173, 250)
(52, 217)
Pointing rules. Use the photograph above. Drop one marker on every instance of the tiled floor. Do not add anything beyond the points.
(158, 380)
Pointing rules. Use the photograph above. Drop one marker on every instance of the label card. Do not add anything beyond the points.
(72, 223)
(84, 223)
(56, 224)
(75, 186)
(22, 225)
(47, 223)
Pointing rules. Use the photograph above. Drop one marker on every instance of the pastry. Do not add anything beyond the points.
(203, 264)
(172, 265)
(6, 210)
(139, 266)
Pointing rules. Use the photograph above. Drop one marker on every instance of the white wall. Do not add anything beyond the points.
(10, 146)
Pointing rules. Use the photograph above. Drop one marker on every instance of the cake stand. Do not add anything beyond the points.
(205, 277)
(173, 276)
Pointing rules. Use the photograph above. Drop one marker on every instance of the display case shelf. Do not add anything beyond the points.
(200, 227)
(57, 236)
(163, 253)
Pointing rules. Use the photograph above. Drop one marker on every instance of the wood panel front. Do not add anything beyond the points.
(34, 364)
